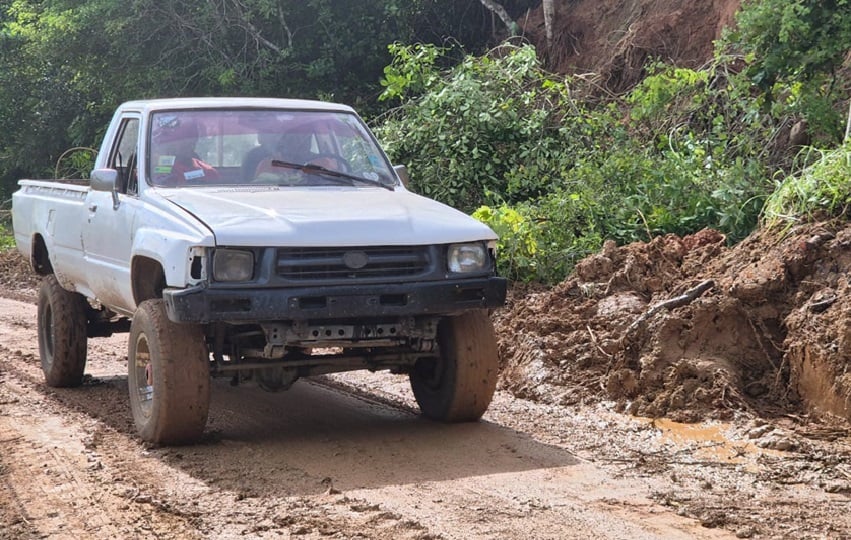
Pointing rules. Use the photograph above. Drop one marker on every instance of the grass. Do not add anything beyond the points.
(7, 241)
(7, 238)
(822, 189)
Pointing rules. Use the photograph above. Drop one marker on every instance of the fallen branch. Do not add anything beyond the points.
(596, 344)
(675, 302)
(818, 307)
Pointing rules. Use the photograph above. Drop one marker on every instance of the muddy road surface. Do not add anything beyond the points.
(349, 457)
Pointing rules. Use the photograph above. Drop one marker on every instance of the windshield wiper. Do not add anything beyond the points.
(324, 171)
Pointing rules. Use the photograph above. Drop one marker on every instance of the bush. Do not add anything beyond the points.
(497, 124)
(683, 150)
(518, 244)
(555, 177)
(542, 241)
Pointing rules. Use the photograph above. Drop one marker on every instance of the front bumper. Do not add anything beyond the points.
(205, 305)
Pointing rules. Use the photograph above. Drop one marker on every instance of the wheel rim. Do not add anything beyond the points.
(430, 372)
(144, 376)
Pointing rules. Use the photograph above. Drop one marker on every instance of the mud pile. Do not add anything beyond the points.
(771, 334)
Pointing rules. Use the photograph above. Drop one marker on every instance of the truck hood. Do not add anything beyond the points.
(325, 216)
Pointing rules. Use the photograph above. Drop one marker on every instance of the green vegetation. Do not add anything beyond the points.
(494, 124)
(685, 149)
(557, 176)
(821, 190)
(66, 64)
(794, 49)
(7, 239)
(552, 163)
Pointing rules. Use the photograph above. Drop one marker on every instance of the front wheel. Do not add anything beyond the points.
(61, 334)
(458, 385)
(168, 376)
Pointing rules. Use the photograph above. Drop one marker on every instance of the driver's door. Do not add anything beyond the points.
(109, 229)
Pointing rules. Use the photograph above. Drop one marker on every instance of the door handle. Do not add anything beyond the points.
(93, 207)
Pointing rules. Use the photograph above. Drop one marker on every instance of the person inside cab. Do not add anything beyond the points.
(174, 160)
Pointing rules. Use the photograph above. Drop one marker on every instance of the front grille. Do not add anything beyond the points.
(352, 263)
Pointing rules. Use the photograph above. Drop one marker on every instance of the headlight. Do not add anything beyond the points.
(233, 265)
(467, 257)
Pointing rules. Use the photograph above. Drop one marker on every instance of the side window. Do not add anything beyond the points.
(124, 156)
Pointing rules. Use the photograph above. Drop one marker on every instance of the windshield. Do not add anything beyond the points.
(250, 146)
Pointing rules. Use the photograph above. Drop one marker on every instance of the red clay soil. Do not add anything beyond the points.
(772, 334)
(614, 39)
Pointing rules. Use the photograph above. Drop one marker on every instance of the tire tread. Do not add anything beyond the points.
(181, 399)
(471, 362)
(65, 365)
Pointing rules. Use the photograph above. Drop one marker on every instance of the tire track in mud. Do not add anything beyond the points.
(312, 462)
(78, 471)
(57, 476)
(72, 477)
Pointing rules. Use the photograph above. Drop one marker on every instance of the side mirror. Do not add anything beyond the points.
(402, 173)
(105, 180)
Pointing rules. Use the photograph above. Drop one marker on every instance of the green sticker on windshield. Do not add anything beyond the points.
(164, 164)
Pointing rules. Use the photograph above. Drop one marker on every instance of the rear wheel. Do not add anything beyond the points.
(61, 334)
(458, 385)
(168, 376)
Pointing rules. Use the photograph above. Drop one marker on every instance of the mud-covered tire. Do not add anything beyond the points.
(61, 334)
(459, 385)
(168, 377)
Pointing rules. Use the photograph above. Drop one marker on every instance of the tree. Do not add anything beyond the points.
(794, 40)
(795, 48)
(549, 20)
(65, 64)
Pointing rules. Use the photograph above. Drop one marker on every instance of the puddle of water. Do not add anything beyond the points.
(710, 441)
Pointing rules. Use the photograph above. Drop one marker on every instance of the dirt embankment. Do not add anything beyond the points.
(772, 334)
(614, 39)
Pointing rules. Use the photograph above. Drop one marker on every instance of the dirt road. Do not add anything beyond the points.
(348, 457)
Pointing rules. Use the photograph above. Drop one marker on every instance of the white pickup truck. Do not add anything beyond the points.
(262, 240)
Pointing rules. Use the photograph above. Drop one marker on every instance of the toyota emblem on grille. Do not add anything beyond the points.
(355, 259)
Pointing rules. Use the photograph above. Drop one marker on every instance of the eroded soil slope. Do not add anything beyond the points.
(615, 38)
(772, 332)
